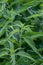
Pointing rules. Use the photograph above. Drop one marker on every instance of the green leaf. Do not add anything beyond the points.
(24, 54)
(31, 44)
(3, 53)
(36, 35)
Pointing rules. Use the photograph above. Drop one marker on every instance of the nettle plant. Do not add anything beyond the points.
(21, 32)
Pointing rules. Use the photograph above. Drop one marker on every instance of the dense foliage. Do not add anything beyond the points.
(21, 32)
